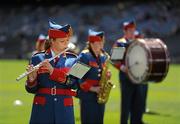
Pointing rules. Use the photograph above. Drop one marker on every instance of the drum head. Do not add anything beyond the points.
(137, 63)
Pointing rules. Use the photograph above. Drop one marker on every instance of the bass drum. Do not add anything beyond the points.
(147, 60)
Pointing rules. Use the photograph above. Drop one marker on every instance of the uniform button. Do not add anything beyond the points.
(55, 99)
(99, 70)
(99, 75)
(36, 103)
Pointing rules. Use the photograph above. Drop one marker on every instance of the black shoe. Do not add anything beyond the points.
(151, 112)
(142, 122)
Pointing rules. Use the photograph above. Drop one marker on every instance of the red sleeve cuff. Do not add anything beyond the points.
(59, 75)
(31, 84)
(118, 65)
(85, 86)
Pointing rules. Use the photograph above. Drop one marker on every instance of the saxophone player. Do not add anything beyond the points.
(90, 110)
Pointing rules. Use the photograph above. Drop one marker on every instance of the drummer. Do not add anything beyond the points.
(131, 94)
(138, 34)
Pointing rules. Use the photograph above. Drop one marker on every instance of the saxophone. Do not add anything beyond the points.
(105, 84)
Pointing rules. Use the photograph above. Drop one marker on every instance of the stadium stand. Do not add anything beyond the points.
(20, 25)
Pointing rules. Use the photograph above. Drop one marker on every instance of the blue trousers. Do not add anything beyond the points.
(145, 92)
(91, 111)
(131, 101)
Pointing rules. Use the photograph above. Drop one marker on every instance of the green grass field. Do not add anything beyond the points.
(163, 98)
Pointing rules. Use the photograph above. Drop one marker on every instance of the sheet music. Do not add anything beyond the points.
(118, 53)
(79, 70)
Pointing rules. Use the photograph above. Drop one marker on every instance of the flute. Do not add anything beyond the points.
(70, 46)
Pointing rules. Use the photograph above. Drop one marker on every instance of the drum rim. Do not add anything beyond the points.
(141, 43)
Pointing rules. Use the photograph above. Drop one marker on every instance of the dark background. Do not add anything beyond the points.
(21, 21)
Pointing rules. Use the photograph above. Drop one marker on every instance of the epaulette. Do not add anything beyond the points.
(71, 54)
(121, 40)
(37, 53)
(104, 53)
(85, 51)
